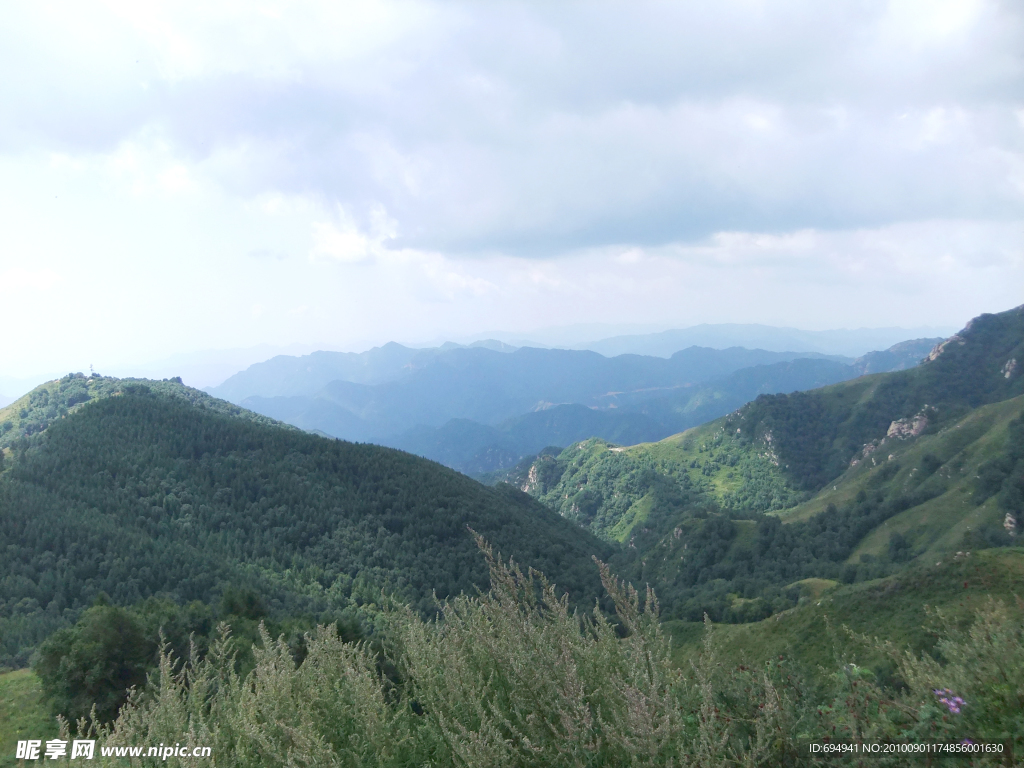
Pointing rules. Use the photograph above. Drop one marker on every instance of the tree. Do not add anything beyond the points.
(96, 661)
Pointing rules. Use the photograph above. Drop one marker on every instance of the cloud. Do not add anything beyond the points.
(18, 279)
(343, 240)
(405, 168)
(533, 129)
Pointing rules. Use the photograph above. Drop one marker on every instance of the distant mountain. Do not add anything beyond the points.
(430, 387)
(477, 449)
(289, 375)
(851, 343)
(627, 418)
(898, 357)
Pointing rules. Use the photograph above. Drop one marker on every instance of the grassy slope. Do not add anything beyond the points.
(729, 469)
(23, 715)
(706, 459)
(893, 608)
(939, 524)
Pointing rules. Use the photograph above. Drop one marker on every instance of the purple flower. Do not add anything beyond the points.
(953, 702)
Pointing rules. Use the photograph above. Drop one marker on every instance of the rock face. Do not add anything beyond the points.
(1010, 524)
(1009, 368)
(941, 347)
(909, 427)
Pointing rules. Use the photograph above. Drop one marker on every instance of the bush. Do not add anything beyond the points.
(513, 678)
(95, 662)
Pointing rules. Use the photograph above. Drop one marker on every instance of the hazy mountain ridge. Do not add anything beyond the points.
(846, 342)
(627, 418)
(539, 370)
(493, 389)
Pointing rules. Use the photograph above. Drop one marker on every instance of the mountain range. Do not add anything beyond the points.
(161, 506)
(482, 408)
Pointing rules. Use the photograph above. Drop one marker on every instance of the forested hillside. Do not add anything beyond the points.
(848, 482)
(817, 434)
(54, 400)
(147, 494)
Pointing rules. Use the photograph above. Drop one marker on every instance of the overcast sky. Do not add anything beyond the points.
(183, 176)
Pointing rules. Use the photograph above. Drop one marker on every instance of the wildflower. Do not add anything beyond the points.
(951, 700)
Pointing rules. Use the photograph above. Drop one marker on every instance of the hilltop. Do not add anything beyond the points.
(35, 411)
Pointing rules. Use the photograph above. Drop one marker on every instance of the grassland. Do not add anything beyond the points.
(23, 714)
(899, 609)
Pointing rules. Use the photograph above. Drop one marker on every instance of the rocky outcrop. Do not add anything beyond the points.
(1009, 368)
(941, 347)
(901, 429)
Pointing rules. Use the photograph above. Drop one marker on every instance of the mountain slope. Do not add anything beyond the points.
(628, 418)
(144, 494)
(848, 482)
(817, 434)
(778, 449)
(899, 608)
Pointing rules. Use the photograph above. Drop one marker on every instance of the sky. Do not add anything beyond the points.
(184, 176)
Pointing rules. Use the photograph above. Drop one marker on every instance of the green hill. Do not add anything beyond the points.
(34, 412)
(848, 482)
(148, 493)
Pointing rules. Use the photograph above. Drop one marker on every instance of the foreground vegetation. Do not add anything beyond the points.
(512, 677)
(24, 712)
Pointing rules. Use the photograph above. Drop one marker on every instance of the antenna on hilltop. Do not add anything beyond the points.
(91, 371)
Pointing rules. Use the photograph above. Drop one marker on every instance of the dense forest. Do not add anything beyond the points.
(144, 495)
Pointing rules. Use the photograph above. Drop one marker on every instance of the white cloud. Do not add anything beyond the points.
(342, 240)
(17, 280)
